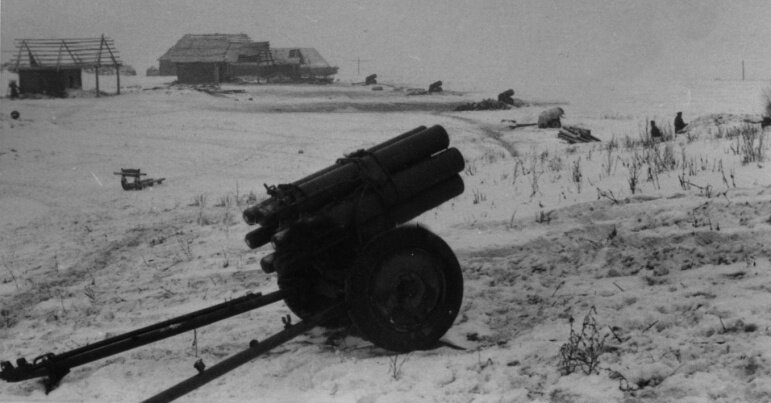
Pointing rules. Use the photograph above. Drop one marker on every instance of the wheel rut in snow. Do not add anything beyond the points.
(490, 133)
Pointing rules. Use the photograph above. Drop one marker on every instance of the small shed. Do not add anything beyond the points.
(52, 66)
(204, 58)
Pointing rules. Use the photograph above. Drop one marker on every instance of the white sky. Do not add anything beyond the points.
(528, 41)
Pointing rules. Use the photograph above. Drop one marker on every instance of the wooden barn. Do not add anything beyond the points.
(204, 58)
(214, 58)
(52, 66)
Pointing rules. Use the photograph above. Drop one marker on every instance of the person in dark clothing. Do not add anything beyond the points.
(506, 97)
(655, 132)
(14, 88)
(679, 124)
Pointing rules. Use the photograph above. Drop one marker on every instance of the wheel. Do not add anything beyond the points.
(405, 289)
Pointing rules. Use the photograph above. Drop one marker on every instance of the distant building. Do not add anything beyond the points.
(202, 58)
(52, 66)
(214, 58)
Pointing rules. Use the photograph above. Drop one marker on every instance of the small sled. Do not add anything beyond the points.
(137, 183)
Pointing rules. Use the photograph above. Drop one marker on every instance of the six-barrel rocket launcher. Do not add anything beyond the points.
(338, 235)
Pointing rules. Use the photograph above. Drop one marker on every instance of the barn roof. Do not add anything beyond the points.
(258, 52)
(309, 59)
(286, 55)
(65, 53)
(208, 48)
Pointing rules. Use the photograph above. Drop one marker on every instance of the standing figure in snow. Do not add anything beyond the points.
(14, 89)
(655, 132)
(679, 124)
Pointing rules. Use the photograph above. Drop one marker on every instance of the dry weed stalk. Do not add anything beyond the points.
(576, 174)
(608, 161)
(6, 264)
(607, 194)
(749, 144)
(534, 178)
(396, 362)
(518, 165)
(583, 349)
(634, 175)
(478, 197)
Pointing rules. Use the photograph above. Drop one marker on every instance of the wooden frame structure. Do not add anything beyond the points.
(67, 54)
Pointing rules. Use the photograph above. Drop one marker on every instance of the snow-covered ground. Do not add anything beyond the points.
(675, 275)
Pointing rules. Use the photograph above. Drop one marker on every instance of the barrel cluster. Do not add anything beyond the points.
(364, 193)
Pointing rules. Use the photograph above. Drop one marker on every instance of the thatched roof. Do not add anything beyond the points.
(207, 48)
(309, 59)
(286, 56)
(65, 53)
(255, 52)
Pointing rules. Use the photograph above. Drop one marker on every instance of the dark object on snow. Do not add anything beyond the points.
(573, 134)
(377, 88)
(514, 125)
(13, 88)
(655, 132)
(764, 122)
(550, 118)
(436, 86)
(506, 97)
(15, 115)
(371, 79)
(335, 237)
(137, 183)
(341, 255)
(679, 123)
(484, 105)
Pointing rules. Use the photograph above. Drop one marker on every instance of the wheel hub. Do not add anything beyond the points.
(408, 288)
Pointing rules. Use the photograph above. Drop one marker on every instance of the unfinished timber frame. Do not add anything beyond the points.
(57, 63)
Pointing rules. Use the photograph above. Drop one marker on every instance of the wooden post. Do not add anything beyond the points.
(98, 63)
(117, 77)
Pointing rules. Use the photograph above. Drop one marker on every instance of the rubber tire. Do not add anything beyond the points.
(404, 252)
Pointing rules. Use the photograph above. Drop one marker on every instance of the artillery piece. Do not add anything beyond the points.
(342, 254)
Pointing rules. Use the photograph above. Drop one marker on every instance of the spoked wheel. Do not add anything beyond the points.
(405, 289)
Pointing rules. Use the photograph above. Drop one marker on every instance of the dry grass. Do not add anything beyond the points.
(748, 143)
(583, 349)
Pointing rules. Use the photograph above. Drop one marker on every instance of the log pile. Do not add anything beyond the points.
(573, 134)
